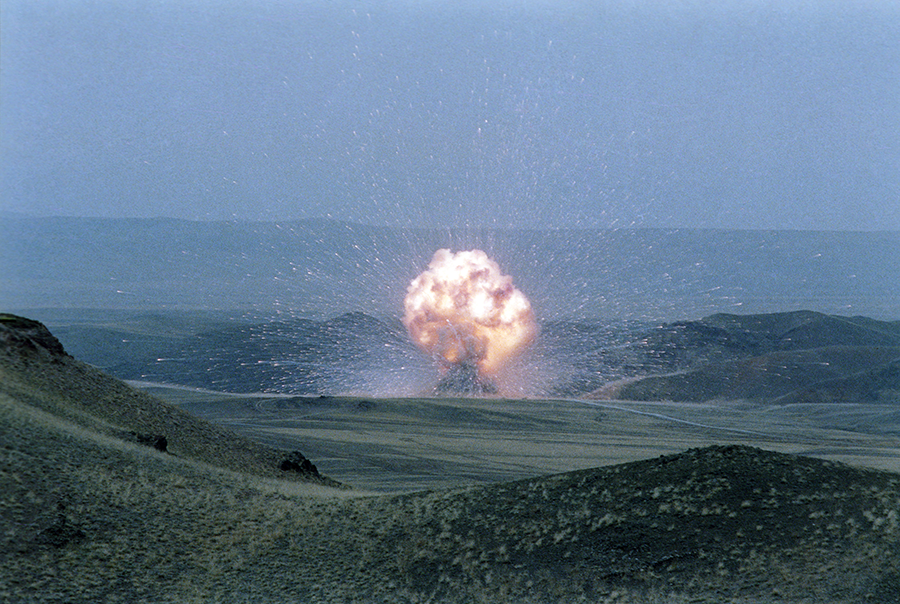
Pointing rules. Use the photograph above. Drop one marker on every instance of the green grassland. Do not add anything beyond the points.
(89, 515)
(90, 518)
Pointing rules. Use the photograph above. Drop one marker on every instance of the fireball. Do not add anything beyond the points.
(464, 311)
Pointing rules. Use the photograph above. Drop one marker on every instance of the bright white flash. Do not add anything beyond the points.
(464, 310)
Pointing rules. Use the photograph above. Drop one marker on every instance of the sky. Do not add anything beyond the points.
(621, 113)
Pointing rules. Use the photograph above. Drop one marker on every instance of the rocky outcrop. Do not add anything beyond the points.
(157, 441)
(28, 335)
(297, 462)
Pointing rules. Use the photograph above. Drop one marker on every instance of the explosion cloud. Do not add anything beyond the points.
(466, 313)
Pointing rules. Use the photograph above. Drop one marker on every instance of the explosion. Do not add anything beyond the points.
(468, 315)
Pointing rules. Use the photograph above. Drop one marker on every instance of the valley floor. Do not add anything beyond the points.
(409, 444)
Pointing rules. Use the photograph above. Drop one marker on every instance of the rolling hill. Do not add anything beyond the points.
(781, 356)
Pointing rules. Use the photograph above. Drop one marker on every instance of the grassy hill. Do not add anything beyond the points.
(91, 515)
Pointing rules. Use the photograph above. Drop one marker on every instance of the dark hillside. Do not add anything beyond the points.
(763, 357)
(35, 369)
(730, 520)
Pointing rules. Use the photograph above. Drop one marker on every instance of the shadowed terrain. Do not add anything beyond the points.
(91, 515)
(36, 370)
(792, 357)
(786, 357)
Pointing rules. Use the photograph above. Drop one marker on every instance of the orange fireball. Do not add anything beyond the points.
(463, 309)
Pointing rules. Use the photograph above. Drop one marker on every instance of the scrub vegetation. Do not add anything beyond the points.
(89, 515)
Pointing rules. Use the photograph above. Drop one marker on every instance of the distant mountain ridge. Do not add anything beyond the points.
(347, 353)
(320, 268)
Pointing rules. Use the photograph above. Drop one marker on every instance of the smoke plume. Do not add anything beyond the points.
(466, 313)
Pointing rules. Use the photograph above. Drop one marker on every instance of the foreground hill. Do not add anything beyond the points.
(35, 370)
(89, 516)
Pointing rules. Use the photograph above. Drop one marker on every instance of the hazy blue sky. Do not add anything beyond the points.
(740, 114)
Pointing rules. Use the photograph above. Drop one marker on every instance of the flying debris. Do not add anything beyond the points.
(463, 378)
(470, 317)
